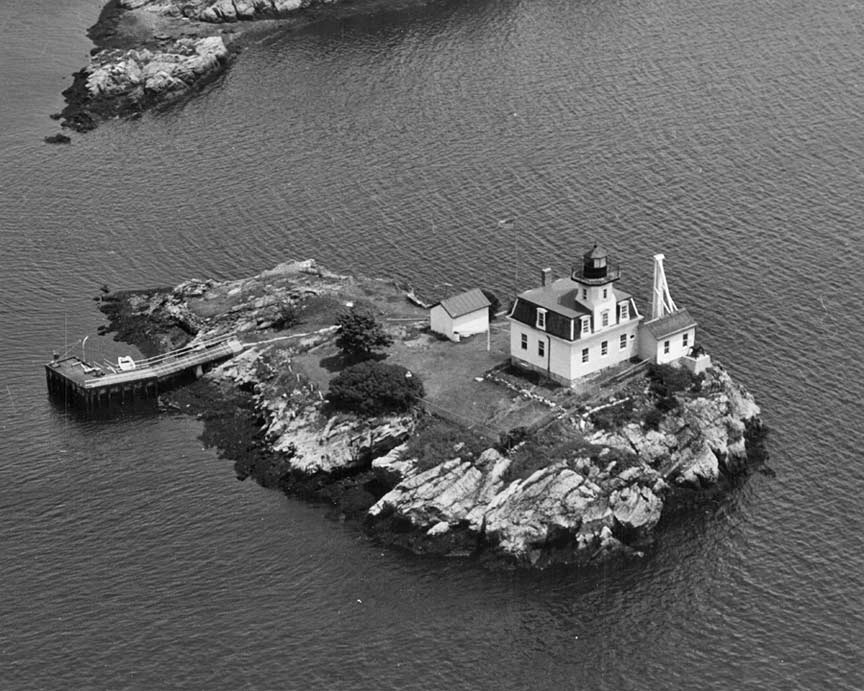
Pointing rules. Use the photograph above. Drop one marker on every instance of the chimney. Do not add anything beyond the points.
(545, 274)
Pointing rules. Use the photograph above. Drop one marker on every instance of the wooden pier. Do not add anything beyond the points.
(96, 386)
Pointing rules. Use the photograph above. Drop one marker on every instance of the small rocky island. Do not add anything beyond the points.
(150, 53)
(445, 446)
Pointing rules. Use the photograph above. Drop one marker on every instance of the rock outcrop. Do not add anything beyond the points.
(139, 74)
(218, 11)
(122, 82)
(152, 52)
(572, 503)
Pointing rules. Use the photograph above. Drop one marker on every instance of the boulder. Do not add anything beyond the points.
(393, 467)
(445, 492)
(288, 5)
(522, 517)
(636, 507)
(699, 467)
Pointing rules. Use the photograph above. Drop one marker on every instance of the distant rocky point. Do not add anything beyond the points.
(152, 52)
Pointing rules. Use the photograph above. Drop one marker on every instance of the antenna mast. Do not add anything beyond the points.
(661, 303)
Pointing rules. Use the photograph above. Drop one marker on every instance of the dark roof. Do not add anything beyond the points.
(562, 297)
(560, 300)
(556, 324)
(559, 297)
(670, 324)
(465, 303)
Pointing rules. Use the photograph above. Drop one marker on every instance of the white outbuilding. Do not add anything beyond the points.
(670, 334)
(465, 314)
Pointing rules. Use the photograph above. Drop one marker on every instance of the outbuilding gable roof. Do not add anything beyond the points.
(670, 324)
(465, 303)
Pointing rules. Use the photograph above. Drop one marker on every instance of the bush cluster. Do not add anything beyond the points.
(667, 380)
(494, 303)
(435, 441)
(360, 335)
(614, 417)
(286, 316)
(652, 418)
(541, 450)
(372, 388)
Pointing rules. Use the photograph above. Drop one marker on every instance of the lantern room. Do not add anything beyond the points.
(596, 269)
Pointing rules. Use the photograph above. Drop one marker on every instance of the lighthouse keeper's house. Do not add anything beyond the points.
(577, 325)
(574, 326)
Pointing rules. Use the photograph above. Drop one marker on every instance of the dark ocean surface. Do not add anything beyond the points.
(726, 134)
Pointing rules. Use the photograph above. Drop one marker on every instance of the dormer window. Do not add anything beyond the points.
(541, 318)
(625, 311)
(586, 325)
(604, 318)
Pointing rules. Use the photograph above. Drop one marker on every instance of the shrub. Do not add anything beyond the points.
(623, 459)
(667, 403)
(652, 418)
(435, 441)
(494, 303)
(372, 387)
(511, 438)
(614, 417)
(667, 380)
(360, 335)
(286, 316)
(558, 442)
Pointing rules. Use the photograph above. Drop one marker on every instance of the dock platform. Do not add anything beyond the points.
(95, 386)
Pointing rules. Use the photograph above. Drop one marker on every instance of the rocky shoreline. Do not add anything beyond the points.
(153, 53)
(592, 480)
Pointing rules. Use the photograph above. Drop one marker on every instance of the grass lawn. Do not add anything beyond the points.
(449, 372)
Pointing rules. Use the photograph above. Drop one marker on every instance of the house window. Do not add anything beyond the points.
(625, 311)
(524, 341)
(604, 318)
(584, 354)
(665, 347)
(541, 318)
(604, 347)
(684, 339)
(584, 293)
(541, 348)
(622, 341)
(605, 293)
(586, 325)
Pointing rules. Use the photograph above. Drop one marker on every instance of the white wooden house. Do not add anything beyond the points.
(584, 323)
(576, 325)
(465, 314)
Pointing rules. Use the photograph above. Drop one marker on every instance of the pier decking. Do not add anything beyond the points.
(94, 385)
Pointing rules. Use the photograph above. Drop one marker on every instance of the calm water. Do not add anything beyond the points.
(726, 134)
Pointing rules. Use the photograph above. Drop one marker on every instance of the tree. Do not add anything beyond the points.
(494, 303)
(286, 315)
(373, 387)
(360, 335)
